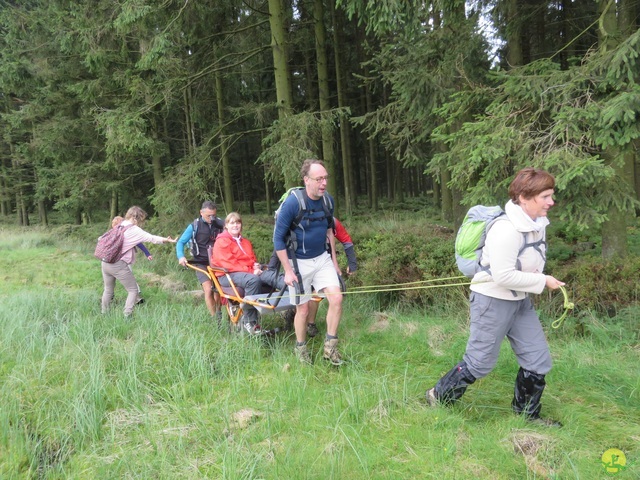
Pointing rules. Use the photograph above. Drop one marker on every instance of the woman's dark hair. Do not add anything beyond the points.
(529, 182)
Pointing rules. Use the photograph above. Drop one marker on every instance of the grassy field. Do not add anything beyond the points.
(167, 395)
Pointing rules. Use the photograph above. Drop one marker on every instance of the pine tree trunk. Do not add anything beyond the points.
(284, 97)
(190, 136)
(4, 194)
(614, 229)
(279, 49)
(156, 158)
(42, 213)
(345, 141)
(398, 183)
(447, 199)
(114, 204)
(388, 162)
(627, 17)
(324, 97)
(636, 171)
(224, 146)
(436, 194)
(373, 156)
(514, 34)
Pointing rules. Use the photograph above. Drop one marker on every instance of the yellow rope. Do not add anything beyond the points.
(417, 286)
(567, 306)
(413, 283)
(372, 290)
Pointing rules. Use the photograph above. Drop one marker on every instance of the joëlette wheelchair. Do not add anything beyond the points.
(270, 302)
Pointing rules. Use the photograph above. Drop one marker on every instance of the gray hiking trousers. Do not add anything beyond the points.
(122, 272)
(252, 285)
(492, 319)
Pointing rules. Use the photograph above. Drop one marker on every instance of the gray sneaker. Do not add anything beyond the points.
(331, 352)
(312, 330)
(302, 352)
(252, 329)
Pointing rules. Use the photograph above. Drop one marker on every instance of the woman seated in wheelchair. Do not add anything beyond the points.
(234, 253)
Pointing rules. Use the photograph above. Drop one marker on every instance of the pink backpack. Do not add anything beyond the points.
(109, 247)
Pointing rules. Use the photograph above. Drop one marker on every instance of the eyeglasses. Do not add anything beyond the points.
(320, 179)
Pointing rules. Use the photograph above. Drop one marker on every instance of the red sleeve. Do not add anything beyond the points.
(341, 232)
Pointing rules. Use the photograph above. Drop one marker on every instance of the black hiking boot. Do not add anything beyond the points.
(451, 386)
(527, 395)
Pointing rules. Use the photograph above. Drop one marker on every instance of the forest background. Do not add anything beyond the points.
(164, 104)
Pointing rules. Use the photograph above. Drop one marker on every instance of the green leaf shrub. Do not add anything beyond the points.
(405, 252)
(604, 286)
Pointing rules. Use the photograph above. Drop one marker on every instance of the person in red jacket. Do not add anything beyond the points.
(235, 253)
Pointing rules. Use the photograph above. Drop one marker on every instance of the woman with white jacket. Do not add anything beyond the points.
(121, 270)
(512, 263)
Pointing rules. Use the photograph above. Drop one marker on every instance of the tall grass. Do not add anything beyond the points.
(168, 395)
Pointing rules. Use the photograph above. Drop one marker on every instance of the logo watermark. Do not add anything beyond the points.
(614, 461)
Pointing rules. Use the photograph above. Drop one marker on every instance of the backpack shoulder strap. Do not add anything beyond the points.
(535, 245)
(301, 197)
(194, 231)
(327, 205)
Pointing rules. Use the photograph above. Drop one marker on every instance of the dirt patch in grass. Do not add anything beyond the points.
(381, 322)
(531, 445)
(165, 283)
(436, 339)
(243, 418)
(409, 328)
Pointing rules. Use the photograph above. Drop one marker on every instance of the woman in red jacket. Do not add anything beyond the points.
(235, 253)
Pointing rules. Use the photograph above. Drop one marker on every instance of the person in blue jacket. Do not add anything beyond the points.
(200, 234)
(317, 268)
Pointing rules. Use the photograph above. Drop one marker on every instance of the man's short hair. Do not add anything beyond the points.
(306, 166)
(209, 205)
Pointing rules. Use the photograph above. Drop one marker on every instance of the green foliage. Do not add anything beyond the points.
(399, 253)
(293, 139)
(603, 286)
(423, 69)
(539, 115)
(386, 17)
(186, 185)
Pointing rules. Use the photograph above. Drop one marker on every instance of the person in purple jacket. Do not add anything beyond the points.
(121, 270)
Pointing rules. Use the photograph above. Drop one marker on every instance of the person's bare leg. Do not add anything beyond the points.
(209, 298)
(300, 322)
(313, 311)
(334, 312)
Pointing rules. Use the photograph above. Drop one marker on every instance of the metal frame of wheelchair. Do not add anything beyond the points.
(269, 303)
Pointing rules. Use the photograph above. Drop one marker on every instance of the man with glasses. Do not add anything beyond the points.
(201, 234)
(317, 268)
